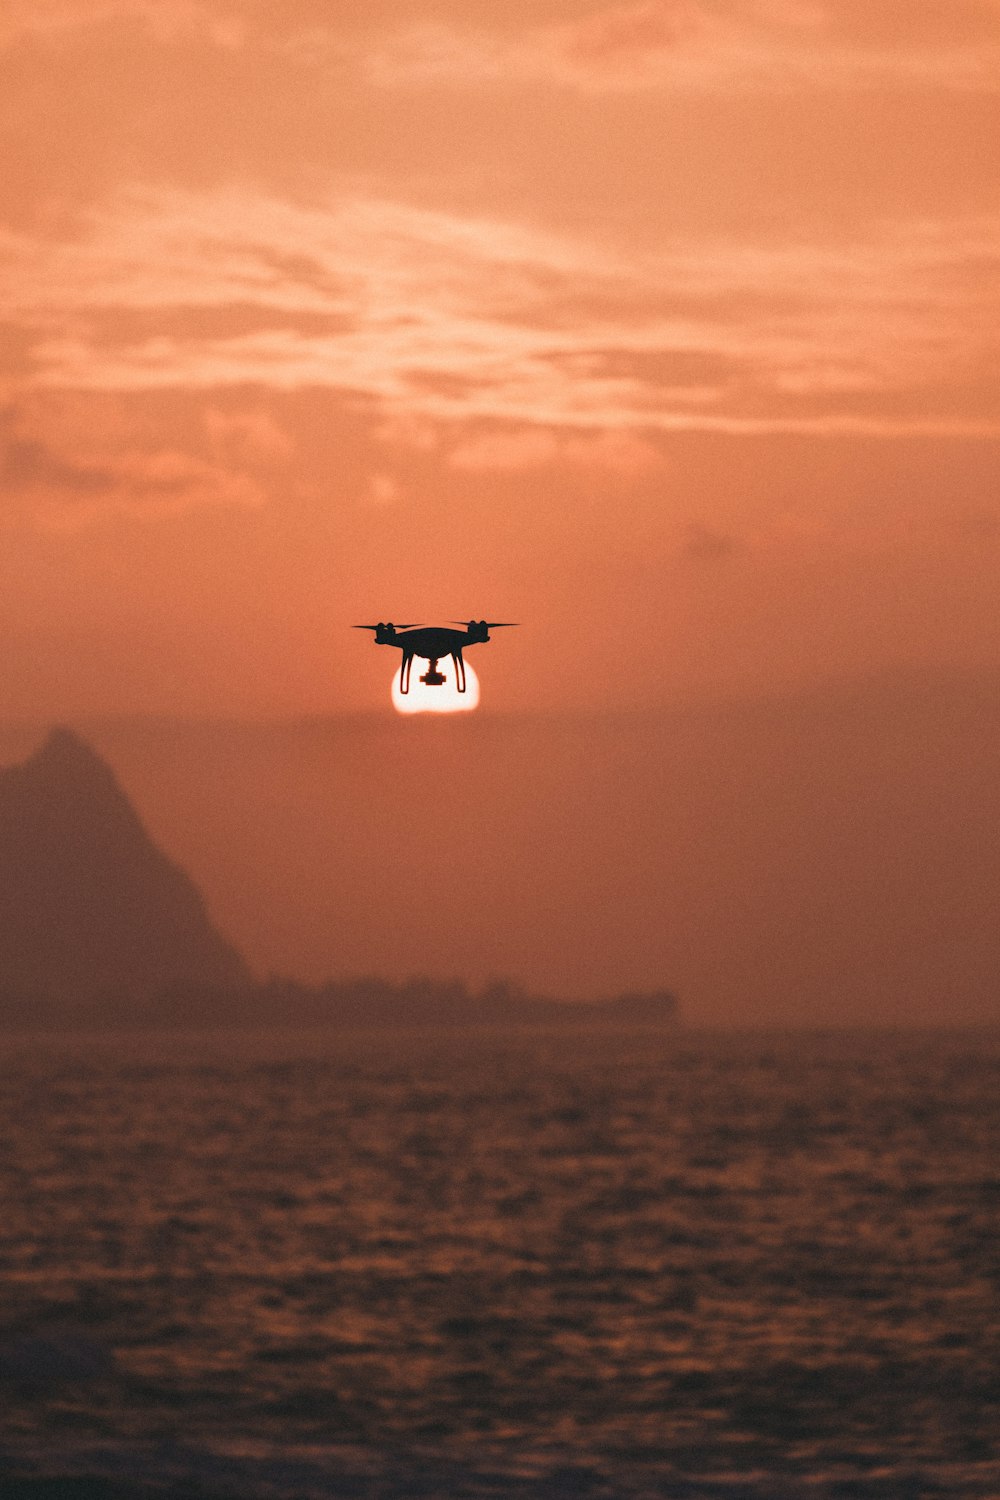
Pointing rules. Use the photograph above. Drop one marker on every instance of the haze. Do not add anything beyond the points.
(669, 329)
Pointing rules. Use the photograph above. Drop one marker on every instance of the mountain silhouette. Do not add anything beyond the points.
(89, 906)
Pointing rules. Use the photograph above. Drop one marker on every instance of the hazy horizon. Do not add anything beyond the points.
(816, 858)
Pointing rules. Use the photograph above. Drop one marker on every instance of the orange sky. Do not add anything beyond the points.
(669, 328)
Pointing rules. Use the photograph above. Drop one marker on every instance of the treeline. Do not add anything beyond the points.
(356, 1003)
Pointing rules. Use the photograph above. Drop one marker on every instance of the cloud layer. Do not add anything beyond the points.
(310, 309)
(682, 44)
(470, 318)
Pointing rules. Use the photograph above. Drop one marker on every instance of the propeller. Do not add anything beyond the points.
(413, 626)
(490, 624)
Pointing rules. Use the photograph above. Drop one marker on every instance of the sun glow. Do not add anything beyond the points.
(443, 699)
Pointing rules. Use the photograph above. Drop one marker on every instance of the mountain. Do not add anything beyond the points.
(89, 906)
(824, 857)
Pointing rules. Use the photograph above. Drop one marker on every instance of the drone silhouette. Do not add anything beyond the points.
(432, 643)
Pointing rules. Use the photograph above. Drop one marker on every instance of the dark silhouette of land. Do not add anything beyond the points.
(98, 928)
(354, 1004)
(89, 906)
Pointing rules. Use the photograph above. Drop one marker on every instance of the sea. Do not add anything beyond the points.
(570, 1264)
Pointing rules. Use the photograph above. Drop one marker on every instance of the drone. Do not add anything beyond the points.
(432, 643)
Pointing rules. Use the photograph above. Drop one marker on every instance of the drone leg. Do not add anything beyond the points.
(456, 657)
(404, 675)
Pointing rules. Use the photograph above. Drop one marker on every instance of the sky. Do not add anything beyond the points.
(669, 328)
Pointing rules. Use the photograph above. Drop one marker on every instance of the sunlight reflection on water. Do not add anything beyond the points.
(623, 1260)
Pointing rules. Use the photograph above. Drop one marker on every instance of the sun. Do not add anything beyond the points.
(443, 699)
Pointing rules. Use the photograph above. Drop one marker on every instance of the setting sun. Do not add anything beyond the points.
(441, 699)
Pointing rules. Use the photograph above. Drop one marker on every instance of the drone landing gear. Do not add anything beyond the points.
(432, 677)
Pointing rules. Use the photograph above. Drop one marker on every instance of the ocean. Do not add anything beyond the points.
(542, 1265)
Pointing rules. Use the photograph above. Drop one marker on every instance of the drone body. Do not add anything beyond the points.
(432, 643)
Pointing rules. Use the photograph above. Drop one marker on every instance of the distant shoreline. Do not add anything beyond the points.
(364, 1004)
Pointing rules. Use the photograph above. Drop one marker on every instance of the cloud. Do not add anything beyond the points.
(683, 44)
(61, 480)
(619, 47)
(450, 318)
(704, 544)
(27, 465)
(166, 21)
(383, 490)
(626, 46)
(242, 435)
(524, 448)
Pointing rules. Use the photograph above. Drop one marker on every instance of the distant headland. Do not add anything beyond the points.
(100, 930)
(355, 1004)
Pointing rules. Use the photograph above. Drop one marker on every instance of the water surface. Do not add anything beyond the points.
(634, 1265)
